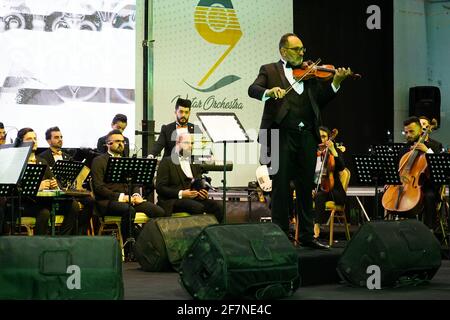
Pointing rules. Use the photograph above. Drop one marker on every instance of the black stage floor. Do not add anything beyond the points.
(140, 285)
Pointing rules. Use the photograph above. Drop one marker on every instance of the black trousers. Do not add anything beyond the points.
(321, 198)
(194, 206)
(297, 160)
(116, 208)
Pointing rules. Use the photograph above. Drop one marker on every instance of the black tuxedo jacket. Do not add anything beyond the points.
(48, 156)
(170, 180)
(101, 146)
(105, 192)
(167, 138)
(272, 75)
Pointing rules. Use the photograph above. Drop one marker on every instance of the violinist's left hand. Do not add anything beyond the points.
(331, 147)
(340, 75)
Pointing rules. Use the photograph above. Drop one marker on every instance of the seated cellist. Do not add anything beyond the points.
(413, 131)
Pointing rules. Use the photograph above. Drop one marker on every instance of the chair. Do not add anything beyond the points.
(29, 223)
(338, 211)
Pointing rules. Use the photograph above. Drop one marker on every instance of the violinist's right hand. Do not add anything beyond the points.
(276, 93)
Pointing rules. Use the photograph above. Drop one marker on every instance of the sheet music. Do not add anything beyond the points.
(12, 161)
(223, 128)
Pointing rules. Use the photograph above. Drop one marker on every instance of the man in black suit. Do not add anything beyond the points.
(54, 153)
(413, 130)
(174, 181)
(168, 133)
(112, 198)
(119, 122)
(296, 116)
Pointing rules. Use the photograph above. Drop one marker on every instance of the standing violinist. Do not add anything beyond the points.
(334, 162)
(296, 115)
(413, 131)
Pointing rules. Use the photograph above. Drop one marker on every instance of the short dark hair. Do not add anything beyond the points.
(410, 120)
(284, 39)
(183, 103)
(115, 131)
(2, 126)
(48, 133)
(323, 128)
(119, 117)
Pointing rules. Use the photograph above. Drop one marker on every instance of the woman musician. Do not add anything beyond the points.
(327, 191)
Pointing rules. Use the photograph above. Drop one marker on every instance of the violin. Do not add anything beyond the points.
(326, 175)
(309, 70)
(413, 164)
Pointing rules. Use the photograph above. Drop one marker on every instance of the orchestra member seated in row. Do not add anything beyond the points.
(174, 182)
(54, 153)
(40, 207)
(112, 198)
(2, 134)
(333, 161)
(119, 122)
(413, 131)
(169, 132)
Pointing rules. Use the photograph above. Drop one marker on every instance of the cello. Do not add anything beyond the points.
(406, 197)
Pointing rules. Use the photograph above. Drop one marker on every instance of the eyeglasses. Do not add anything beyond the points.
(117, 141)
(297, 49)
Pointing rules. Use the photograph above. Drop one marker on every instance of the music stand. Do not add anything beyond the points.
(223, 127)
(13, 164)
(376, 170)
(389, 149)
(66, 172)
(439, 165)
(130, 171)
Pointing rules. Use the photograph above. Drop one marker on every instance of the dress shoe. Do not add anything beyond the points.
(314, 244)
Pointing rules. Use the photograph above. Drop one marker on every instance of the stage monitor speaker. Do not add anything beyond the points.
(163, 242)
(240, 261)
(425, 101)
(405, 251)
(66, 268)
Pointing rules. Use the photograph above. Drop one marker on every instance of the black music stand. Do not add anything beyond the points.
(376, 170)
(223, 127)
(29, 186)
(130, 171)
(67, 171)
(439, 165)
(390, 149)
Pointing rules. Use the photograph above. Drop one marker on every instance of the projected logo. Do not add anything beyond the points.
(216, 22)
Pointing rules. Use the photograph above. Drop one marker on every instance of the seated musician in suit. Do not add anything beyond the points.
(119, 122)
(324, 193)
(413, 131)
(169, 132)
(174, 181)
(40, 207)
(54, 153)
(112, 198)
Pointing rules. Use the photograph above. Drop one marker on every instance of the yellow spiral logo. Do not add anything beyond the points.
(216, 21)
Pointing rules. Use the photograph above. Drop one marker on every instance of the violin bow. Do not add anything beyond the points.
(311, 67)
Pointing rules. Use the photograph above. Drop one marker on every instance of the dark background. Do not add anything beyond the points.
(336, 32)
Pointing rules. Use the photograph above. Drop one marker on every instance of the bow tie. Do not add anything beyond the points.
(57, 153)
(288, 65)
(179, 126)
